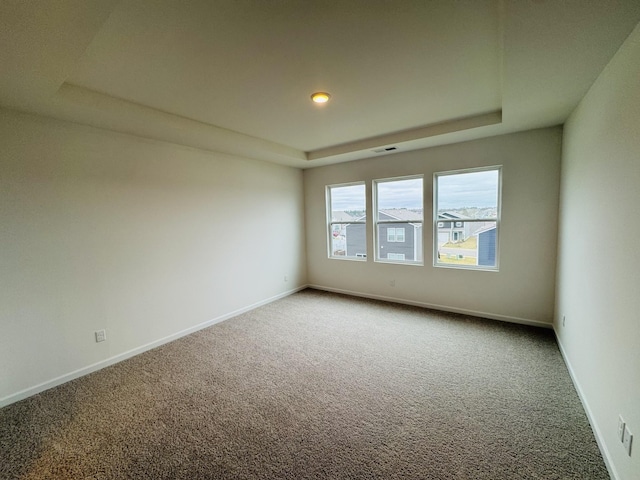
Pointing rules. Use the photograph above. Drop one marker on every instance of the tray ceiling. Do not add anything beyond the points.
(236, 76)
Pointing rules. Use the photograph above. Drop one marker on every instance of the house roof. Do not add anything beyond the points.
(236, 77)
(341, 216)
(403, 214)
(484, 229)
(451, 216)
(396, 213)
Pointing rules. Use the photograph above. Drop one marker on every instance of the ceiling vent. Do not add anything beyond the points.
(385, 149)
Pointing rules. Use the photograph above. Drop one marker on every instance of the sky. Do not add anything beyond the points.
(400, 194)
(473, 189)
(397, 194)
(348, 198)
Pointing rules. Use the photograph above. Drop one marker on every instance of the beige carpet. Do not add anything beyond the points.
(316, 386)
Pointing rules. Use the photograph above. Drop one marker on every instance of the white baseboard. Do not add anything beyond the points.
(444, 308)
(27, 392)
(613, 473)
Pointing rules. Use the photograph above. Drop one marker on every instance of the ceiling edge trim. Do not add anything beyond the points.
(89, 107)
(391, 139)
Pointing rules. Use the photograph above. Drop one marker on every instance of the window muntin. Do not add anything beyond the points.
(346, 220)
(398, 220)
(467, 218)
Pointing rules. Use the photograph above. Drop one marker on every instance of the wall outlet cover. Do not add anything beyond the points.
(101, 335)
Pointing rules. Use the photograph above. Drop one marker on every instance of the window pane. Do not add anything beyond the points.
(349, 240)
(468, 208)
(468, 195)
(391, 234)
(400, 199)
(347, 205)
(474, 243)
(338, 240)
(399, 216)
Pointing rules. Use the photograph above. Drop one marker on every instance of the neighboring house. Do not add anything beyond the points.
(339, 232)
(356, 239)
(487, 246)
(397, 241)
(451, 228)
(341, 216)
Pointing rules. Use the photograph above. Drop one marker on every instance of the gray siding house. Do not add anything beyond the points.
(397, 241)
(451, 228)
(487, 247)
(356, 239)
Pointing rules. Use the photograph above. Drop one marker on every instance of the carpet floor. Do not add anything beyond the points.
(316, 386)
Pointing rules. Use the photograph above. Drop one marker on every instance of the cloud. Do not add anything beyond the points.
(351, 197)
(400, 194)
(473, 189)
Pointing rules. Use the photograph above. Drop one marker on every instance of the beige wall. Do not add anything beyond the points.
(146, 239)
(523, 289)
(599, 256)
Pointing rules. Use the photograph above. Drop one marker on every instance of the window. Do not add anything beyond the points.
(467, 218)
(395, 234)
(398, 220)
(346, 220)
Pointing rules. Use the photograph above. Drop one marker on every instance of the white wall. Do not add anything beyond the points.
(523, 289)
(599, 252)
(143, 238)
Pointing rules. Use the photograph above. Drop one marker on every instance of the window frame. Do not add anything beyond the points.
(497, 219)
(358, 257)
(376, 222)
(394, 238)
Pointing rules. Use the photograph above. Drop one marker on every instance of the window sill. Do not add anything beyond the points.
(466, 267)
(349, 259)
(400, 262)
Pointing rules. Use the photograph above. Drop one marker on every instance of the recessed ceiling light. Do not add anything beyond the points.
(320, 97)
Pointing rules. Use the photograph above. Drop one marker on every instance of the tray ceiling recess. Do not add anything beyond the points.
(236, 77)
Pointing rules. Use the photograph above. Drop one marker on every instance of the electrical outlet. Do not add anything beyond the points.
(101, 335)
(627, 439)
(392, 282)
(564, 318)
(621, 426)
(286, 278)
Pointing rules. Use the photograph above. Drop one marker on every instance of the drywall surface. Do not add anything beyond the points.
(522, 290)
(599, 259)
(142, 238)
